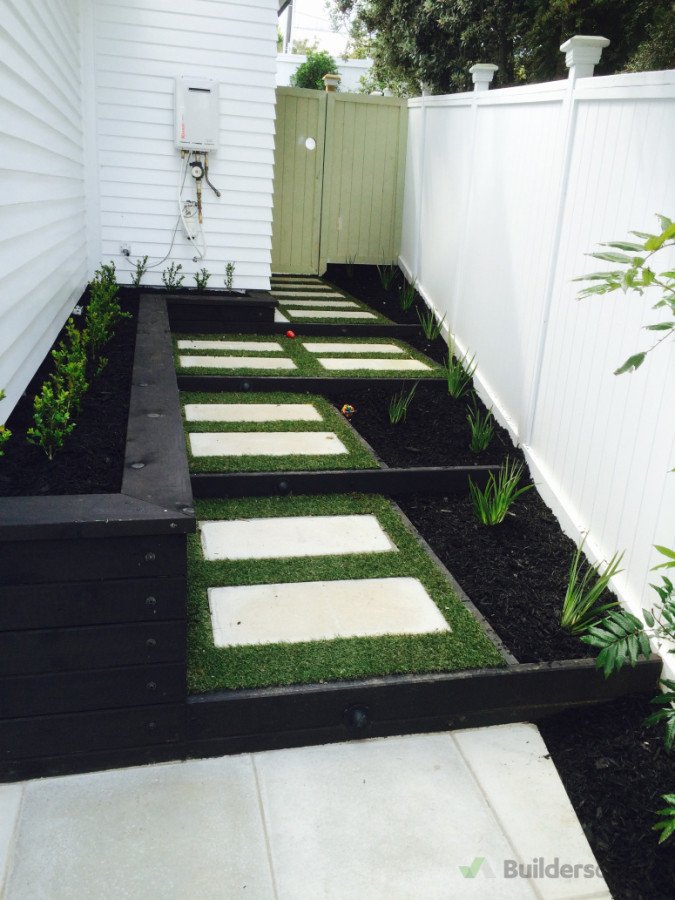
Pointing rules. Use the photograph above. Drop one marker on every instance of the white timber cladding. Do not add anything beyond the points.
(506, 193)
(43, 254)
(140, 48)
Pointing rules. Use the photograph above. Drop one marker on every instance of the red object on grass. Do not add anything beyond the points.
(290, 334)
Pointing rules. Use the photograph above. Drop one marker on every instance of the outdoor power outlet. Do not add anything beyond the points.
(125, 249)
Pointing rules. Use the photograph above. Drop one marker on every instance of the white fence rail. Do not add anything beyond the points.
(506, 191)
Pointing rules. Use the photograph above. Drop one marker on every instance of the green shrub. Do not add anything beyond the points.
(5, 433)
(229, 276)
(139, 271)
(70, 366)
(51, 415)
(311, 72)
(202, 278)
(171, 276)
(103, 314)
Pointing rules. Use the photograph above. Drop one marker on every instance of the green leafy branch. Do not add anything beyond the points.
(639, 276)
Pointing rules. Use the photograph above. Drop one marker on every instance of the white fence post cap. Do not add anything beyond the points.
(582, 53)
(482, 74)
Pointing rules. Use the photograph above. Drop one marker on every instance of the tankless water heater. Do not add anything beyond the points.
(197, 114)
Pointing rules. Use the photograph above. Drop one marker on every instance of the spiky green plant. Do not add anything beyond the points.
(582, 606)
(492, 503)
(388, 275)
(407, 295)
(459, 371)
(482, 427)
(431, 326)
(399, 403)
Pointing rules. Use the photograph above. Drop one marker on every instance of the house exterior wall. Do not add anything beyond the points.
(140, 47)
(43, 252)
(506, 191)
(90, 162)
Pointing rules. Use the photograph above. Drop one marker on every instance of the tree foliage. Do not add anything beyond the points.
(311, 72)
(436, 41)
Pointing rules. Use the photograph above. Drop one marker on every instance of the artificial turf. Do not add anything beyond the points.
(300, 293)
(307, 364)
(211, 668)
(357, 458)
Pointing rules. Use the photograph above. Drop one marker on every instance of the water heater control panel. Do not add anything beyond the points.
(197, 114)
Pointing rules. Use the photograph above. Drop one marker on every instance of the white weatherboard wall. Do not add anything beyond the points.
(140, 47)
(43, 254)
(506, 192)
(89, 157)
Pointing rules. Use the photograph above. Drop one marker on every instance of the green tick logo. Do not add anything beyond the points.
(472, 870)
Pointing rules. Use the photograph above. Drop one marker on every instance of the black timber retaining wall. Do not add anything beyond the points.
(92, 597)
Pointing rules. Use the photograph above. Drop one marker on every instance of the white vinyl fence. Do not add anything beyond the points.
(506, 191)
(351, 71)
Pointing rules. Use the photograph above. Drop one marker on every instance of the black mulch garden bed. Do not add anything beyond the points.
(614, 770)
(93, 459)
(613, 767)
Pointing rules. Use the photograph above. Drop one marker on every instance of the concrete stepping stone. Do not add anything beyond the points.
(326, 304)
(380, 365)
(322, 294)
(251, 412)
(321, 610)
(280, 317)
(266, 443)
(236, 362)
(294, 536)
(300, 285)
(352, 347)
(329, 314)
(255, 346)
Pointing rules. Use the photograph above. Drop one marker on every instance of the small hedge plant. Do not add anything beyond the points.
(310, 73)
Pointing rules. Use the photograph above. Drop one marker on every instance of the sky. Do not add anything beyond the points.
(310, 21)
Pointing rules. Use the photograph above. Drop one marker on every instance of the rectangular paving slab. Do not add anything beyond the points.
(382, 365)
(329, 314)
(326, 304)
(251, 412)
(255, 346)
(266, 443)
(236, 362)
(294, 536)
(322, 294)
(352, 347)
(321, 610)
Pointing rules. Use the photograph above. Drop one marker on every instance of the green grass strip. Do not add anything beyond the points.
(211, 668)
(307, 364)
(331, 420)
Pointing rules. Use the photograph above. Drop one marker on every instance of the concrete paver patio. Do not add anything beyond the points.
(432, 816)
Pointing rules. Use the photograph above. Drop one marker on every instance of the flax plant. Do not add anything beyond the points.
(459, 371)
(491, 504)
(482, 427)
(582, 606)
(399, 403)
(431, 326)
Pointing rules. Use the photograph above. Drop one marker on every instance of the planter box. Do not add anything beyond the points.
(92, 596)
(93, 616)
